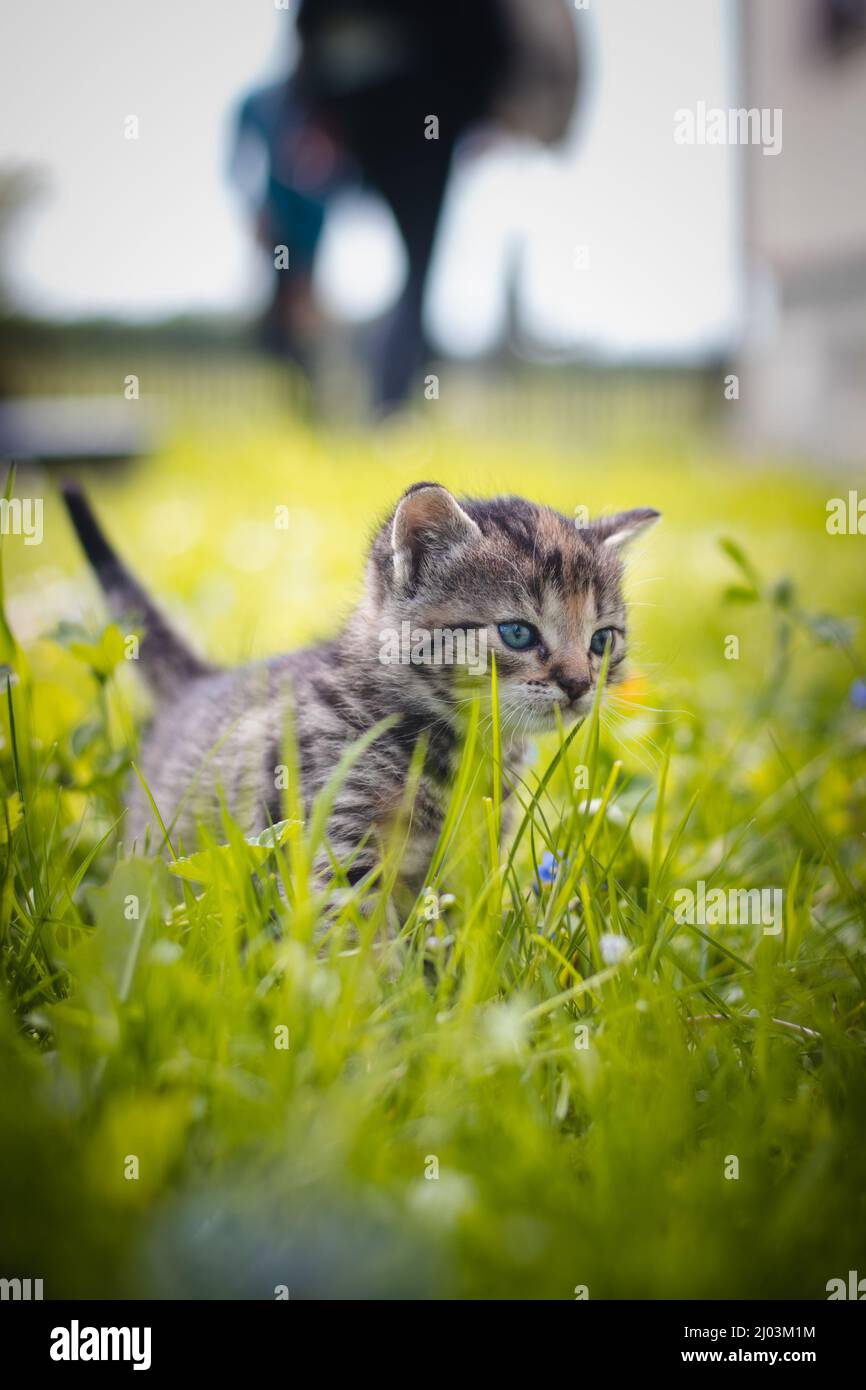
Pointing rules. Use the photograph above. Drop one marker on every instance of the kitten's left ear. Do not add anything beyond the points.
(617, 531)
(427, 519)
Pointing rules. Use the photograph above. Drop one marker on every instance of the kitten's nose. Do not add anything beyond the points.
(573, 683)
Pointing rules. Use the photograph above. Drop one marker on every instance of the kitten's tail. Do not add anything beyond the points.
(167, 664)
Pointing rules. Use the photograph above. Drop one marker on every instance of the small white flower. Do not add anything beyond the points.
(612, 813)
(445, 1200)
(613, 947)
(165, 952)
(436, 943)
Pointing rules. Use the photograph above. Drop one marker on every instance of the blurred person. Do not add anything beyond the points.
(383, 93)
(288, 167)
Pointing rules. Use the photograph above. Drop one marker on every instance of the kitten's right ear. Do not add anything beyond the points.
(427, 520)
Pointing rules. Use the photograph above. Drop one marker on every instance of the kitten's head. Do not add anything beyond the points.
(520, 580)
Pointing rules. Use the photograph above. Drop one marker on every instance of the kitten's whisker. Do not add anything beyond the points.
(613, 698)
(631, 716)
(642, 741)
(646, 762)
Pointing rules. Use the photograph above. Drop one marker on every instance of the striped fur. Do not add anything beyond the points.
(436, 563)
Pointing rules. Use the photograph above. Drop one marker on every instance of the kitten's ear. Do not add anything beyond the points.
(615, 532)
(427, 519)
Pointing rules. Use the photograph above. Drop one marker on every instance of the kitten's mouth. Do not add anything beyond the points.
(541, 716)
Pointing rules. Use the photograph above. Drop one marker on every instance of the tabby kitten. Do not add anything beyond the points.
(540, 592)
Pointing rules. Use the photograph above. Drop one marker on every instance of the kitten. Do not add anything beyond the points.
(519, 579)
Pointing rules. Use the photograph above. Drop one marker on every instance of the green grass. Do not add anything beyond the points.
(579, 1066)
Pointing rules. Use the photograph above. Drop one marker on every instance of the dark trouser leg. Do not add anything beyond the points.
(414, 189)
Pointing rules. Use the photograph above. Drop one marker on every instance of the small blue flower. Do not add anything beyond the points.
(858, 694)
(547, 869)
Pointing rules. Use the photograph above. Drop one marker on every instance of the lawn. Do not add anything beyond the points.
(545, 1083)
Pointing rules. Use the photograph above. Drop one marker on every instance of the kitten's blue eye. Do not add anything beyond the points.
(600, 640)
(520, 636)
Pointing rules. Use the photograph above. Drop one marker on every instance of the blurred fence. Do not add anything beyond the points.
(176, 381)
(574, 405)
(570, 404)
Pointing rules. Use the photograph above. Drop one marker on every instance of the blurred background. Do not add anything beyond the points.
(300, 255)
(607, 270)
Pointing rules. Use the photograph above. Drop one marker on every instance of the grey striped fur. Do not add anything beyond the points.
(435, 562)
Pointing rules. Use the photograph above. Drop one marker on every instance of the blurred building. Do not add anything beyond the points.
(803, 373)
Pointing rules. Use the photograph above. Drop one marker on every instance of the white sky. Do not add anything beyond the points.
(151, 227)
